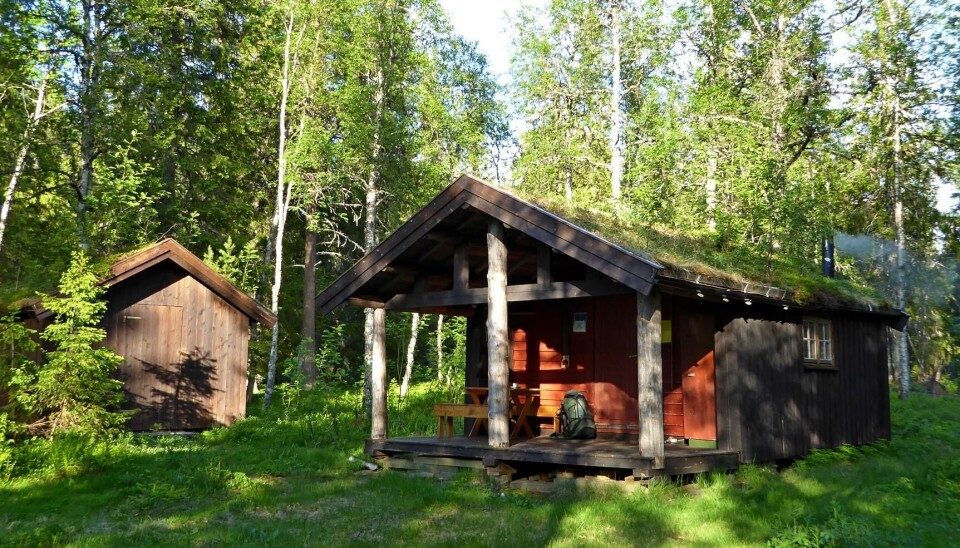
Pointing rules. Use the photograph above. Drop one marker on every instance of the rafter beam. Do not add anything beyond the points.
(515, 293)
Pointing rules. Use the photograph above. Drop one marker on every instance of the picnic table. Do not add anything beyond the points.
(523, 403)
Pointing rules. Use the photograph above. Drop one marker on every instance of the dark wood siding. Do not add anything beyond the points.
(771, 406)
(185, 350)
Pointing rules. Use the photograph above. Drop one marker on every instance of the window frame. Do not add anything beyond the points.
(820, 326)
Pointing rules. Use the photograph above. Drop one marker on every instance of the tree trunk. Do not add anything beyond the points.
(498, 344)
(411, 348)
(711, 188)
(308, 329)
(903, 350)
(902, 354)
(281, 206)
(616, 98)
(372, 199)
(22, 156)
(89, 110)
(440, 349)
(378, 377)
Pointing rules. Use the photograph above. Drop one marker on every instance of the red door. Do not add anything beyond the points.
(693, 339)
(614, 397)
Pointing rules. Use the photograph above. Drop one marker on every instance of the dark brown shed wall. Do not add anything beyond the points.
(770, 406)
(185, 350)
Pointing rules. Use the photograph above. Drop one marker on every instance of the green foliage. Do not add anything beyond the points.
(9, 432)
(239, 265)
(16, 345)
(122, 190)
(330, 359)
(74, 388)
(839, 530)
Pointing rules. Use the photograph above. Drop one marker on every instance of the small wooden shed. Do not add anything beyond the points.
(671, 361)
(182, 330)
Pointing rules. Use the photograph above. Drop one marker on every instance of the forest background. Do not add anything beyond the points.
(282, 140)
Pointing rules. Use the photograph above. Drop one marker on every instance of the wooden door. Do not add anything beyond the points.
(614, 396)
(149, 339)
(693, 341)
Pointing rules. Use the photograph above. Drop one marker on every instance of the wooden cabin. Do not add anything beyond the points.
(683, 372)
(182, 330)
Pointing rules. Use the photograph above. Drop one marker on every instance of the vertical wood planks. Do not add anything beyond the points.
(186, 358)
(771, 406)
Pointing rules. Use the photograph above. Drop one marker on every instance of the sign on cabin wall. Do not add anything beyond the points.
(666, 332)
(580, 322)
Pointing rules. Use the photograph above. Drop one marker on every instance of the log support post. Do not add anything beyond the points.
(650, 376)
(461, 266)
(544, 275)
(378, 381)
(498, 434)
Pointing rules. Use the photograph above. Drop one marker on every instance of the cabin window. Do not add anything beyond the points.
(817, 342)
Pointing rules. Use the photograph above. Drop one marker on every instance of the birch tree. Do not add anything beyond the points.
(411, 352)
(580, 70)
(898, 134)
(21, 157)
(293, 36)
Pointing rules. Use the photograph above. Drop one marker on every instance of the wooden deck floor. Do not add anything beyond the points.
(598, 453)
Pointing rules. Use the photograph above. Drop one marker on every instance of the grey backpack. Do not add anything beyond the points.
(576, 420)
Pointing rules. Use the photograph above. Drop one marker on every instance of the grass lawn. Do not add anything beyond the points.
(286, 479)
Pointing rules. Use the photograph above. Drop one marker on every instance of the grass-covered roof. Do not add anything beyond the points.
(700, 258)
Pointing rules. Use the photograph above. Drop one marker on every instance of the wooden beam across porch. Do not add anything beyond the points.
(515, 293)
(552, 452)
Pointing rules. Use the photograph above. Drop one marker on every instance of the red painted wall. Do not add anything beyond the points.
(602, 358)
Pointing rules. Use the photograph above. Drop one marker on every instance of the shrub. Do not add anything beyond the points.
(8, 449)
(74, 389)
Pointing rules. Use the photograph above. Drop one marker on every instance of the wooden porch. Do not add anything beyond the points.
(542, 455)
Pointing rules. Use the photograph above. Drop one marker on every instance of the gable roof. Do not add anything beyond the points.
(171, 250)
(447, 216)
(392, 267)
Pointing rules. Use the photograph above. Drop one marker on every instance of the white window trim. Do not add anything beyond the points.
(817, 361)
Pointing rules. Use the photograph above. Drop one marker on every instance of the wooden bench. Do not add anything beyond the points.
(446, 412)
(549, 412)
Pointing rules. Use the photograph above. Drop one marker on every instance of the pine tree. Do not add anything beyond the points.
(74, 389)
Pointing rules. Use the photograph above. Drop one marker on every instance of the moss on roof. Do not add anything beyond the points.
(688, 256)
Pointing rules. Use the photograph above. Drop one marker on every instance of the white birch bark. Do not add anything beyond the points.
(281, 206)
(22, 157)
(372, 200)
(616, 98)
(440, 349)
(411, 349)
(902, 349)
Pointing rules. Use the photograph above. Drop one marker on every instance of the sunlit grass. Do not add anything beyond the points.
(281, 479)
